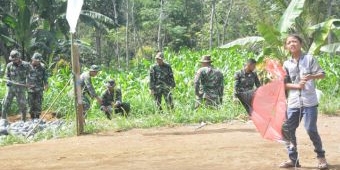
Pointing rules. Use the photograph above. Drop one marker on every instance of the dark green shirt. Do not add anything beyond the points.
(17, 73)
(209, 83)
(161, 77)
(245, 81)
(111, 97)
(86, 84)
(37, 77)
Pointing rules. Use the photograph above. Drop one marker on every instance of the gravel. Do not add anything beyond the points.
(29, 128)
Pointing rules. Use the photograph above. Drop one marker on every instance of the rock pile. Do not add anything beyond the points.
(29, 127)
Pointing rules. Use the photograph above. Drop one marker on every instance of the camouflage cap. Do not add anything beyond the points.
(37, 57)
(160, 56)
(206, 59)
(110, 83)
(94, 68)
(15, 54)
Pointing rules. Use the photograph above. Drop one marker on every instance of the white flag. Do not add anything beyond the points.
(73, 12)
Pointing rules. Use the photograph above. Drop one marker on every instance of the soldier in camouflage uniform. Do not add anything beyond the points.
(37, 79)
(112, 100)
(245, 80)
(87, 87)
(16, 75)
(209, 85)
(162, 81)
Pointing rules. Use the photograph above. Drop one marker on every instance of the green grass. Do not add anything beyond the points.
(10, 140)
(182, 114)
(330, 105)
(330, 86)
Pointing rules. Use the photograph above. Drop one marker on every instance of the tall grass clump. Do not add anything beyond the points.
(330, 85)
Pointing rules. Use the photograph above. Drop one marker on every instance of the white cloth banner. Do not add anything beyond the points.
(73, 12)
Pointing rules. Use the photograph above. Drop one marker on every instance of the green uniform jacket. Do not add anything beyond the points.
(86, 85)
(110, 97)
(37, 77)
(209, 83)
(17, 73)
(245, 81)
(161, 77)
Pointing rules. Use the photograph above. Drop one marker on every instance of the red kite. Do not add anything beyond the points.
(269, 104)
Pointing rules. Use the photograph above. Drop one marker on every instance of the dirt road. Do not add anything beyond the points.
(231, 146)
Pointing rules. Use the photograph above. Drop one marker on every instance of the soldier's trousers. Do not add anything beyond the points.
(246, 99)
(35, 100)
(212, 102)
(124, 108)
(167, 97)
(20, 94)
(86, 103)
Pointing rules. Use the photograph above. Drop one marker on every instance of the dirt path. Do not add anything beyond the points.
(232, 146)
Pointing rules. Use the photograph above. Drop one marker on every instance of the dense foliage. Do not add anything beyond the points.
(112, 32)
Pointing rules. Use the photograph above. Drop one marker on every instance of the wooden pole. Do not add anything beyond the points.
(77, 87)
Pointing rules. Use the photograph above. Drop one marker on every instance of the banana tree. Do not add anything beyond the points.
(55, 28)
(331, 48)
(273, 36)
(34, 25)
(21, 23)
(321, 32)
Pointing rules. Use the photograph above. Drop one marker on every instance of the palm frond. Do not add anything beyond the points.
(295, 8)
(243, 42)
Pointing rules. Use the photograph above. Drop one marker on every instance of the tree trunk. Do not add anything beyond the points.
(218, 34)
(329, 14)
(117, 50)
(127, 35)
(159, 36)
(117, 46)
(115, 11)
(23, 53)
(4, 51)
(226, 20)
(139, 41)
(211, 30)
(202, 14)
(98, 45)
(135, 48)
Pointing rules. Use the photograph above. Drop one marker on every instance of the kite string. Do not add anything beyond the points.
(300, 117)
(300, 114)
(53, 102)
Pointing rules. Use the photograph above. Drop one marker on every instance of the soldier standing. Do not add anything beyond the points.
(87, 87)
(112, 100)
(16, 75)
(37, 79)
(209, 85)
(245, 80)
(162, 81)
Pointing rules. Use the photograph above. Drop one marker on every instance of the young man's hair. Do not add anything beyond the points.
(251, 61)
(297, 36)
